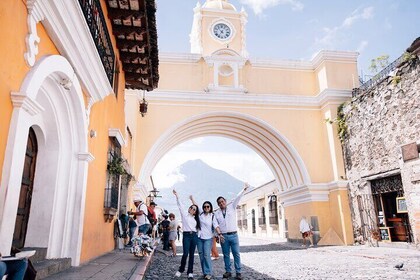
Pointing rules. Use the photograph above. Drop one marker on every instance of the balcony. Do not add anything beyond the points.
(97, 26)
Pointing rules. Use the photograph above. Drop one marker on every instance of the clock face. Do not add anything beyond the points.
(222, 31)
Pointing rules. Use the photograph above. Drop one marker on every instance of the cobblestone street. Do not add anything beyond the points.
(262, 259)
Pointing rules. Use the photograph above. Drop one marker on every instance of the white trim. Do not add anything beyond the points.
(115, 132)
(85, 156)
(20, 100)
(318, 192)
(312, 65)
(67, 28)
(284, 160)
(241, 96)
(60, 178)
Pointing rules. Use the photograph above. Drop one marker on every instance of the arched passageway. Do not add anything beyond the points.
(283, 159)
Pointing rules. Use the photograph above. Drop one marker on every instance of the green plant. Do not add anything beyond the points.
(377, 64)
(407, 56)
(340, 120)
(115, 165)
(396, 80)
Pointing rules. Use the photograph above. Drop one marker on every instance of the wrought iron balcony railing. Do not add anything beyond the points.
(97, 25)
(379, 76)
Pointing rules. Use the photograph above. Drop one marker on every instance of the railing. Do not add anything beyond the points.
(274, 220)
(245, 223)
(111, 192)
(380, 76)
(97, 25)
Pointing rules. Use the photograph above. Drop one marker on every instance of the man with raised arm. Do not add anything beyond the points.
(226, 218)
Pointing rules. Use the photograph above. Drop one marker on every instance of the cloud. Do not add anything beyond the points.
(258, 6)
(367, 13)
(334, 35)
(362, 46)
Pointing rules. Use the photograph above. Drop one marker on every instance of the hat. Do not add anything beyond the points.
(136, 199)
(153, 203)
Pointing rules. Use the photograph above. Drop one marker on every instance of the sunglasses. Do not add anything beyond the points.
(206, 206)
(193, 208)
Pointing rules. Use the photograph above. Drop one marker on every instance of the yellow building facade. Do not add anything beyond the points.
(63, 121)
(276, 107)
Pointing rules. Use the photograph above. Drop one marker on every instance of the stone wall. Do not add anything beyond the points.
(379, 122)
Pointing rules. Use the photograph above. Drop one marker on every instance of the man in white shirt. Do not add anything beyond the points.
(141, 216)
(226, 218)
(306, 230)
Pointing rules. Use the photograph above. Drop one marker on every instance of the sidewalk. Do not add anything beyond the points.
(118, 265)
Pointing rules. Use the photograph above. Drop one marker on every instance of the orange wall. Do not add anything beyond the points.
(98, 235)
(14, 69)
(109, 113)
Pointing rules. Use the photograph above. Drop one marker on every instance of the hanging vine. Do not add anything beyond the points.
(115, 165)
(340, 120)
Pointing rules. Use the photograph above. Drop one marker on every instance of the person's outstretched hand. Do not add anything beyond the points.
(175, 193)
(191, 197)
(246, 187)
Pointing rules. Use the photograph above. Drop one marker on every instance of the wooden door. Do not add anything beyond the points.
(25, 197)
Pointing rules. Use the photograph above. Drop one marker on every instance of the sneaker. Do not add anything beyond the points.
(303, 245)
(207, 277)
(311, 245)
(190, 276)
(239, 276)
(227, 275)
(214, 258)
(178, 274)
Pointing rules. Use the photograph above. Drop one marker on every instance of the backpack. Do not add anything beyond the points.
(150, 217)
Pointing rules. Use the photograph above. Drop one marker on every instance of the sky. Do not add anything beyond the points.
(286, 29)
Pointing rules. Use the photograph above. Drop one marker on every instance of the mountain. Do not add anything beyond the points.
(203, 182)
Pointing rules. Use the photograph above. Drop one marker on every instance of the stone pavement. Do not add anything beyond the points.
(262, 259)
(118, 265)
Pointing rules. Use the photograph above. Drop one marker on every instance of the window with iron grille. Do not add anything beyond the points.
(261, 212)
(244, 216)
(114, 170)
(272, 210)
(238, 216)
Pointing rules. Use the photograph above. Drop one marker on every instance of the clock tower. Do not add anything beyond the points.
(218, 25)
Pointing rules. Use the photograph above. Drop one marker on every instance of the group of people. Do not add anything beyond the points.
(199, 230)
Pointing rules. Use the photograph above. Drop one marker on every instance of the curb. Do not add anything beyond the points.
(141, 268)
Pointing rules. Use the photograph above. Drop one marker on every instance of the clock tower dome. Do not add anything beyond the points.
(218, 25)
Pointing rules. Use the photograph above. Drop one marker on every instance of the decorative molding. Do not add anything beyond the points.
(195, 35)
(115, 132)
(88, 108)
(32, 40)
(225, 95)
(244, 20)
(333, 56)
(85, 156)
(311, 193)
(67, 28)
(25, 102)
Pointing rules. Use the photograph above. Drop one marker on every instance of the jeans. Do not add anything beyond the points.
(204, 248)
(231, 243)
(144, 228)
(189, 242)
(15, 270)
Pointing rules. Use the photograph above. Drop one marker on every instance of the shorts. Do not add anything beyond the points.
(306, 234)
(173, 235)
